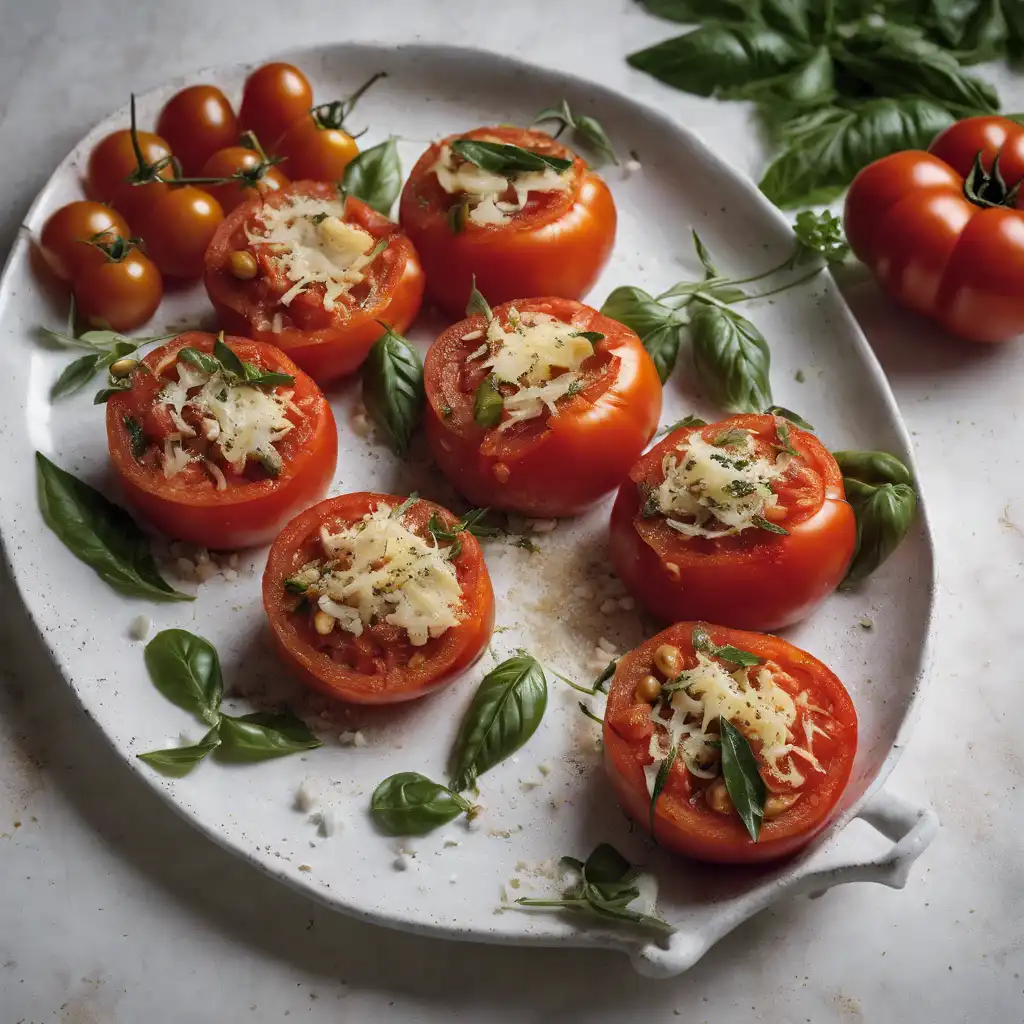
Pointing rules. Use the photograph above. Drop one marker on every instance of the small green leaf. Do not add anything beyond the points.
(199, 359)
(375, 176)
(263, 735)
(710, 270)
(657, 326)
(788, 414)
(76, 375)
(768, 526)
(743, 781)
(873, 468)
(686, 421)
(505, 159)
(584, 129)
(185, 668)
(661, 779)
(410, 804)
(393, 388)
(137, 439)
(735, 655)
(176, 762)
(488, 404)
(731, 358)
(478, 304)
(226, 357)
(819, 234)
(592, 336)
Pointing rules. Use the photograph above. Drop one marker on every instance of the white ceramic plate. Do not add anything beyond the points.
(532, 818)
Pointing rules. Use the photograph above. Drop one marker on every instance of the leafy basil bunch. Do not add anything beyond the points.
(838, 83)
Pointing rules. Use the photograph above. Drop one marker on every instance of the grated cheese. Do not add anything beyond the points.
(385, 572)
(313, 245)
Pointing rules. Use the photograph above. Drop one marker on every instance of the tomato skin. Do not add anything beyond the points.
(247, 514)
(337, 346)
(178, 227)
(275, 96)
(113, 161)
(931, 248)
(447, 656)
(598, 435)
(316, 153)
(691, 828)
(66, 230)
(231, 160)
(754, 580)
(559, 249)
(120, 295)
(196, 122)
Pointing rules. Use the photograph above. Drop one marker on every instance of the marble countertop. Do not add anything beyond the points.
(113, 911)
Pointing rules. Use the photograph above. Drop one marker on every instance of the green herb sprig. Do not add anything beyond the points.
(582, 128)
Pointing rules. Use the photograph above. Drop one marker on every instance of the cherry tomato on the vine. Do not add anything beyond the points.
(196, 122)
(65, 236)
(178, 227)
(121, 292)
(253, 175)
(275, 95)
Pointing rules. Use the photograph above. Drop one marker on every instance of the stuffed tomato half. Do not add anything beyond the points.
(220, 441)
(744, 522)
(539, 406)
(377, 599)
(728, 746)
(314, 273)
(512, 207)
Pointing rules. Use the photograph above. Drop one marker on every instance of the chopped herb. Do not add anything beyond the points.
(782, 432)
(651, 507)
(397, 513)
(702, 642)
(799, 377)
(318, 218)
(136, 437)
(478, 304)
(446, 411)
(763, 524)
(458, 214)
(740, 488)
(270, 460)
(295, 586)
(592, 336)
(574, 388)
(686, 421)
(659, 783)
(455, 550)
(525, 542)
(730, 437)
(488, 404)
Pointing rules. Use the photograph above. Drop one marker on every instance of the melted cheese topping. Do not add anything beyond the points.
(488, 193)
(536, 347)
(387, 573)
(313, 245)
(726, 484)
(752, 701)
(243, 419)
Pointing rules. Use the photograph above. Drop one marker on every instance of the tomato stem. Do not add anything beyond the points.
(783, 287)
(988, 188)
(334, 114)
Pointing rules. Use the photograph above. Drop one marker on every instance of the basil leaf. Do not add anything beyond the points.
(137, 437)
(100, 533)
(768, 526)
(873, 467)
(176, 762)
(735, 655)
(788, 414)
(743, 781)
(393, 388)
(503, 715)
(586, 129)
(686, 421)
(200, 359)
(263, 735)
(502, 158)
(735, 61)
(826, 149)
(656, 325)
(710, 270)
(185, 668)
(606, 865)
(659, 783)
(819, 234)
(269, 379)
(226, 357)
(692, 12)
(731, 358)
(375, 176)
(76, 375)
(478, 304)
(488, 404)
(410, 804)
(115, 387)
(976, 30)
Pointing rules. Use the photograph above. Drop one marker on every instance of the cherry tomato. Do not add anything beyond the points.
(942, 241)
(178, 227)
(64, 238)
(327, 343)
(196, 122)
(121, 294)
(556, 245)
(684, 819)
(316, 151)
(380, 666)
(754, 579)
(255, 176)
(275, 96)
(209, 501)
(113, 162)
(550, 465)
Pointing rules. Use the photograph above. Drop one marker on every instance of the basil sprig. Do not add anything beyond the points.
(410, 804)
(743, 781)
(185, 668)
(582, 127)
(375, 176)
(731, 358)
(881, 491)
(605, 888)
(227, 362)
(393, 388)
(504, 714)
(101, 534)
(506, 159)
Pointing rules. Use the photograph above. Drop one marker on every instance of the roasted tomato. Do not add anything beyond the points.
(196, 122)
(521, 232)
(367, 605)
(790, 712)
(944, 235)
(64, 240)
(221, 443)
(541, 409)
(312, 274)
(744, 521)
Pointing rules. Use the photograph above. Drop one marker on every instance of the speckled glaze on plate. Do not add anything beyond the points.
(552, 798)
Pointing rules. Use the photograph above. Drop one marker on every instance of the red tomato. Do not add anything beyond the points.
(254, 176)
(114, 163)
(381, 666)
(178, 227)
(210, 501)
(121, 294)
(550, 465)
(64, 238)
(315, 150)
(684, 820)
(196, 122)
(326, 343)
(556, 245)
(950, 249)
(275, 96)
(753, 579)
